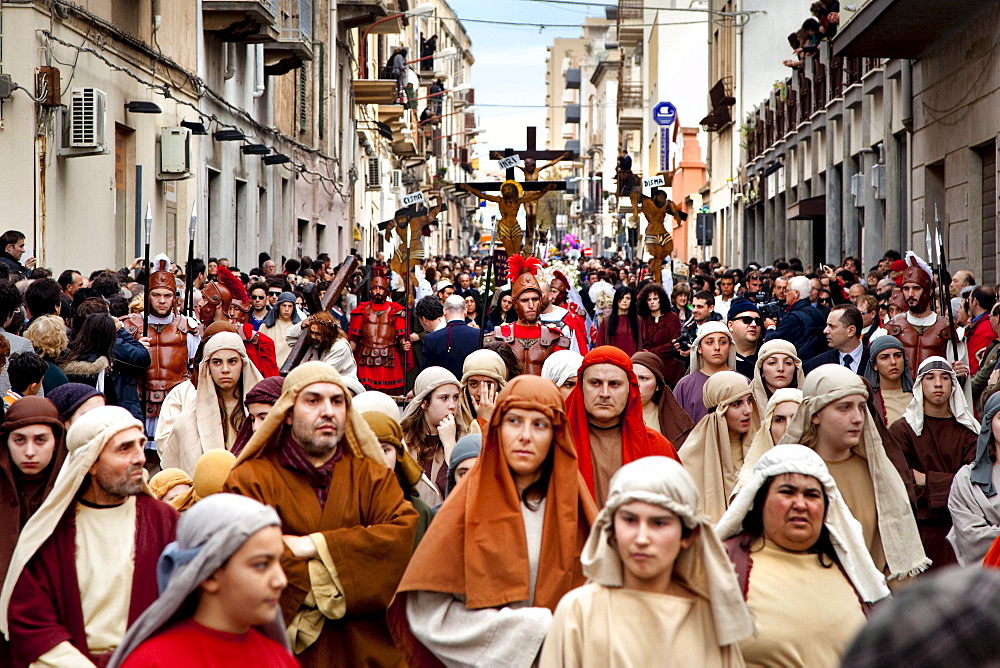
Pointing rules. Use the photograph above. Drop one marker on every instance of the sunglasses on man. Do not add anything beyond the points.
(750, 320)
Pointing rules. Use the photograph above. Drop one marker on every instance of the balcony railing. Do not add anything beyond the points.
(630, 10)
(819, 84)
(630, 95)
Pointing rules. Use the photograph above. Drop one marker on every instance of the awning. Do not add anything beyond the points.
(807, 209)
(904, 28)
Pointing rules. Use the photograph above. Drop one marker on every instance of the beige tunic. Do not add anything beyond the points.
(277, 333)
(895, 402)
(651, 416)
(805, 614)
(854, 481)
(606, 454)
(608, 627)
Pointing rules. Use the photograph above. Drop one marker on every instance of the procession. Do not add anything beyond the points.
(305, 363)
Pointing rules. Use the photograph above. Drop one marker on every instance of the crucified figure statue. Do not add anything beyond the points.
(531, 172)
(510, 200)
(658, 239)
(410, 228)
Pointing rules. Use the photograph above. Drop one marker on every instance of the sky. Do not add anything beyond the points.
(510, 65)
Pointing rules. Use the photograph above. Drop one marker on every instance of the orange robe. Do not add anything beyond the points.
(369, 530)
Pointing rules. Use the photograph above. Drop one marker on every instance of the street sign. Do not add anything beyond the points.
(414, 198)
(664, 113)
(510, 161)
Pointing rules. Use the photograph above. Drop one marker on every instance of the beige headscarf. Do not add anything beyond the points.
(479, 363)
(426, 382)
(706, 452)
(903, 550)
(713, 327)
(770, 349)
(845, 531)
(373, 400)
(359, 437)
(85, 441)
(704, 567)
(762, 441)
(207, 402)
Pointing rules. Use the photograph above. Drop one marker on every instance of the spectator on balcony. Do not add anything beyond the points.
(810, 45)
(436, 94)
(795, 41)
(396, 67)
(427, 48)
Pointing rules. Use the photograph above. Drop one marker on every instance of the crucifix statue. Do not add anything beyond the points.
(659, 242)
(530, 157)
(510, 200)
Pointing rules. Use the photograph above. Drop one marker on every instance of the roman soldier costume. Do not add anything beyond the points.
(532, 341)
(922, 337)
(566, 314)
(227, 300)
(377, 332)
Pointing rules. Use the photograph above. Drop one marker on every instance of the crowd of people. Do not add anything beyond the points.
(822, 25)
(566, 463)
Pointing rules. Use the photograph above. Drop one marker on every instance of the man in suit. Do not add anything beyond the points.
(843, 335)
(448, 347)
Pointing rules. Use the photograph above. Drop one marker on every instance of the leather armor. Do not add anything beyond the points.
(378, 337)
(533, 352)
(917, 345)
(168, 354)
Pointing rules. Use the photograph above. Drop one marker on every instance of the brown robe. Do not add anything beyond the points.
(369, 529)
(939, 452)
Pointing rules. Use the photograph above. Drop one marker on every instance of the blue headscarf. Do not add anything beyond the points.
(881, 344)
(981, 472)
(272, 315)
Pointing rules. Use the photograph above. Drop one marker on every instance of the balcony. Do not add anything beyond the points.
(241, 20)
(295, 43)
(573, 79)
(572, 113)
(375, 91)
(720, 100)
(630, 18)
(359, 13)
(630, 99)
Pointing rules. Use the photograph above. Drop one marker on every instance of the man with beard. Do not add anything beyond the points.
(172, 341)
(562, 313)
(379, 339)
(530, 339)
(85, 564)
(923, 332)
(327, 343)
(348, 530)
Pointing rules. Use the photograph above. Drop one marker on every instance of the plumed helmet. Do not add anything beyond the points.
(161, 277)
(523, 272)
(379, 278)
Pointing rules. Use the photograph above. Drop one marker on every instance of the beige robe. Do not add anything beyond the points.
(805, 614)
(277, 334)
(608, 627)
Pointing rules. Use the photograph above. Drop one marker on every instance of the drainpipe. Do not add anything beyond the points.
(906, 92)
(230, 60)
(259, 72)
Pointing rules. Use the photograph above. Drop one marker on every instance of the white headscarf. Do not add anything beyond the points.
(762, 441)
(712, 327)
(426, 382)
(914, 414)
(562, 365)
(375, 401)
(206, 402)
(85, 441)
(845, 531)
(208, 534)
(903, 550)
(704, 567)
(769, 349)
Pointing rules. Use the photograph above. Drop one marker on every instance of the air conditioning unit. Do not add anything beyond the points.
(81, 127)
(878, 181)
(857, 190)
(175, 154)
(374, 176)
(397, 178)
(87, 111)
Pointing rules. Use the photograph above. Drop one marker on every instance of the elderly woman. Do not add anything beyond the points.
(780, 410)
(431, 429)
(660, 409)
(801, 561)
(660, 590)
(464, 600)
(714, 451)
(213, 419)
(278, 323)
(973, 502)
(562, 368)
(777, 367)
(47, 334)
(484, 374)
(889, 374)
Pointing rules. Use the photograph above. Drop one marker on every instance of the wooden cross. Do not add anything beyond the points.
(530, 153)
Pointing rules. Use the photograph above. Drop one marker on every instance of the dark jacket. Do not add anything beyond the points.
(16, 269)
(448, 347)
(802, 326)
(131, 359)
(833, 357)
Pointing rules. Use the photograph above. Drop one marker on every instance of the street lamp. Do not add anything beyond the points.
(425, 9)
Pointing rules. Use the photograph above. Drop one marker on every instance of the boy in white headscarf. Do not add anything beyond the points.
(834, 421)
(221, 581)
(937, 436)
(677, 605)
(712, 351)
